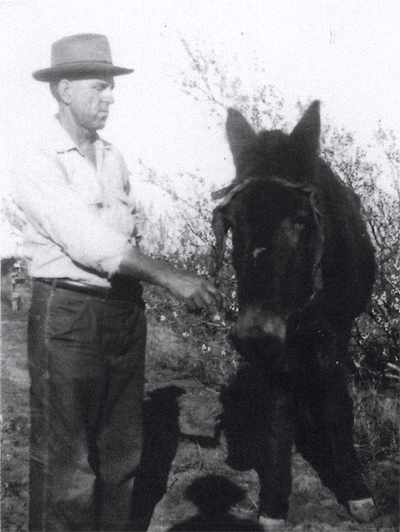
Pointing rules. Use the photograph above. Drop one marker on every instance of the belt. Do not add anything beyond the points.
(66, 284)
(123, 288)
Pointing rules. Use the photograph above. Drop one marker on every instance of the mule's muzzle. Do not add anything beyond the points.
(258, 335)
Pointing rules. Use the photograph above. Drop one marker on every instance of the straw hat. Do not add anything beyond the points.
(80, 55)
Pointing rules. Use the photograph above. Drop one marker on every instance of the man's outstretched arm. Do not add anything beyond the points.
(196, 291)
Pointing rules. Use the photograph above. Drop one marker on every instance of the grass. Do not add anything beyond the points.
(376, 423)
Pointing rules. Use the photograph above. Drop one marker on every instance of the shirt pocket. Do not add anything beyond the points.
(119, 213)
(85, 183)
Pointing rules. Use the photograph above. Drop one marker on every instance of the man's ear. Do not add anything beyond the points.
(64, 91)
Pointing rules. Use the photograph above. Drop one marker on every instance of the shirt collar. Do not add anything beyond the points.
(64, 143)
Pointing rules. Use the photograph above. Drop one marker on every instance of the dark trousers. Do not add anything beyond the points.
(86, 363)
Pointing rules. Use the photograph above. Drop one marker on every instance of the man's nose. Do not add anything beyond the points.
(108, 95)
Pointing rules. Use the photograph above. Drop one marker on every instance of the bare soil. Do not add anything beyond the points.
(184, 483)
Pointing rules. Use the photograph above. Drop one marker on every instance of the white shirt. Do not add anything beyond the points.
(80, 218)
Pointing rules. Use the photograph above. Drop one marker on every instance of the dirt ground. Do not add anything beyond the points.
(184, 483)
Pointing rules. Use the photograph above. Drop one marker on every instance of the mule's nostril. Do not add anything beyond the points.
(260, 341)
(275, 327)
(259, 329)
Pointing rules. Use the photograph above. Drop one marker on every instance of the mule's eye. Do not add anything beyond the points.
(299, 221)
(299, 225)
(257, 252)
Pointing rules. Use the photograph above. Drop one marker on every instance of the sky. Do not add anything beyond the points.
(344, 53)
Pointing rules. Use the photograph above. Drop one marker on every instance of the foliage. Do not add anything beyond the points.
(375, 342)
(183, 235)
(12, 215)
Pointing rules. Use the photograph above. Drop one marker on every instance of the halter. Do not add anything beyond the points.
(318, 217)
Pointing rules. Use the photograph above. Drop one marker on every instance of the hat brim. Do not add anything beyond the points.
(79, 69)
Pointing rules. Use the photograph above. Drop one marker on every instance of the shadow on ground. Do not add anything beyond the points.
(161, 438)
(214, 496)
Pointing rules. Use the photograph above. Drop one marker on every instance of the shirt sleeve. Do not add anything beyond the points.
(58, 213)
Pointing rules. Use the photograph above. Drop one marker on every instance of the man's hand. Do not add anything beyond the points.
(195, 291)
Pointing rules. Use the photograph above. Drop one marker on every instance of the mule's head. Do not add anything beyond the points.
(276, 228)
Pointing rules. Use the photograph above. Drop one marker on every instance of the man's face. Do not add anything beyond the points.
(90, 100)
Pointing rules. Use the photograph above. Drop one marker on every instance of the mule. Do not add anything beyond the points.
(305, 270)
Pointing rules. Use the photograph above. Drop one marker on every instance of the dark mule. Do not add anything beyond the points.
(305, 269)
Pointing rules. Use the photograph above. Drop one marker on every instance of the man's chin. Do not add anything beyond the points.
(101, 120)
(101, 124)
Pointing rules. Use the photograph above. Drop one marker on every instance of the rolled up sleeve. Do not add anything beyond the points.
(60, 214)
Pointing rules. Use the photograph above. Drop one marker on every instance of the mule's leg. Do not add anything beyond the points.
(324, 437)
(311, 440)
(338, 409)
(274, 454)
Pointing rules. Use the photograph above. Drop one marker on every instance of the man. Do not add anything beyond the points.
(86, 337)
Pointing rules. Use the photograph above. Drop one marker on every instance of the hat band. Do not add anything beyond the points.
(86, 62)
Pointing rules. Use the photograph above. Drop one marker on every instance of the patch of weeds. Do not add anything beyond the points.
(376, 423)
(191, 344)
(217, 363)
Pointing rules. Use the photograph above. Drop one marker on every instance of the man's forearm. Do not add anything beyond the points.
(144, 268)
(194, 290)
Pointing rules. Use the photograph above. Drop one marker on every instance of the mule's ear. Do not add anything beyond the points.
(239, 132)
(308, 129)
(305, 138)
